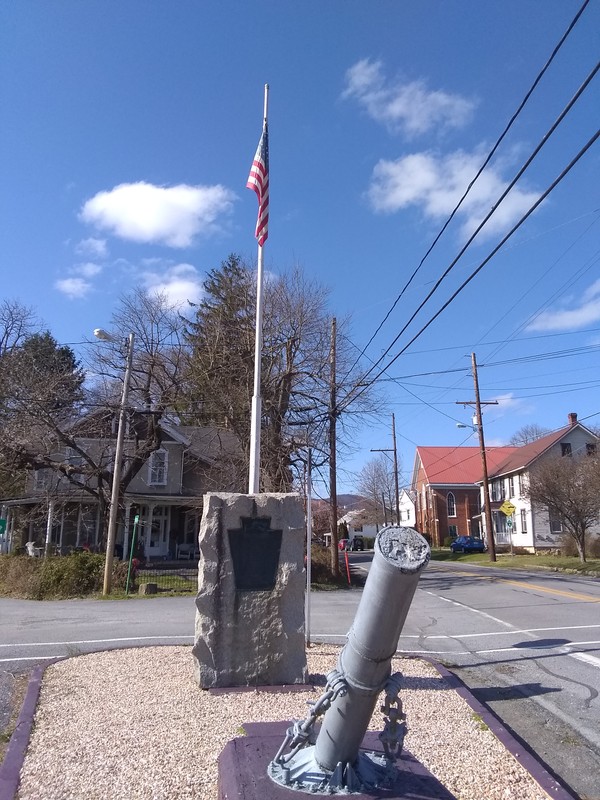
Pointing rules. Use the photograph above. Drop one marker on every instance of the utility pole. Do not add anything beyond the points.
(393, 450)
(486, 489)
(308, 485)
(333, 412)
(396, 469)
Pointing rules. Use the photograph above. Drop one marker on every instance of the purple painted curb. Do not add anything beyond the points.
(15, 754)
(524, 756)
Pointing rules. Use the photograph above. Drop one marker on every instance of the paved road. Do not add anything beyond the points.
(527, 644)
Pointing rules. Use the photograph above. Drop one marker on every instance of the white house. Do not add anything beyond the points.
(407, 508)
(359, 522)
(527, 527)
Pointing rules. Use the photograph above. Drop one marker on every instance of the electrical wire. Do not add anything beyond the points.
(521, 221)
(481, 169)
(488, 216)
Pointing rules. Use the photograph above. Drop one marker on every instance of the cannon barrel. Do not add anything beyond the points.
(365, 661)
(334, 763)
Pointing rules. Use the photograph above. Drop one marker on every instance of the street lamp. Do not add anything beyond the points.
(101, 334)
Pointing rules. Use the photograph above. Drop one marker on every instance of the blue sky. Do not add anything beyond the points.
(128, 129)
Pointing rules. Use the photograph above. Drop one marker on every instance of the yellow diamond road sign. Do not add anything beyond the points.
(507, 508)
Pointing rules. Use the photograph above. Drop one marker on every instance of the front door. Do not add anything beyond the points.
(156, 525)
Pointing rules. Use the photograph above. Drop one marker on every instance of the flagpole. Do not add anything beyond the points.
(254, 476)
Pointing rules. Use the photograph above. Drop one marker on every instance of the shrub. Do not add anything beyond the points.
(20, 576)
(427, 538)
(57, 577)
(592, 546)
(448, 540)
(369, 542)
(320, 571)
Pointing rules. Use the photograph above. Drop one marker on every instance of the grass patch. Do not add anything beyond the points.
(558, 563)
(479, 722)
(17, 695)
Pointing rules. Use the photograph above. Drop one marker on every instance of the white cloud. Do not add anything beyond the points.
(509, 404)
(408, 107)
(178, 283)
(96, 248)
(73, 288)
(142, 212)
(585, 312)
(89, 269)
(435, 184)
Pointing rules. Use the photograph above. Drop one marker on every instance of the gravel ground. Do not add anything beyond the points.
(133, 724)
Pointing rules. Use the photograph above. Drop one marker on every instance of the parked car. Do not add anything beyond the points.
(343, 544)
(357, 543)
(467, 544)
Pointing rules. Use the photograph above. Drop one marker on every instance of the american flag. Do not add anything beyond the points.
(258, 180)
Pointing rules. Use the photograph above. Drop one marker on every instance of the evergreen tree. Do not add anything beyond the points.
(220, 375)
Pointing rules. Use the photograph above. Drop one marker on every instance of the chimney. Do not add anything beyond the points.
(572, 418)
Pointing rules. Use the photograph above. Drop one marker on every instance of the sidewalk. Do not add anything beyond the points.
(128, 724)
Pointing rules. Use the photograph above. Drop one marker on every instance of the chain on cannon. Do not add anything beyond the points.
(333, 762)
(394, 728)
(301, 733)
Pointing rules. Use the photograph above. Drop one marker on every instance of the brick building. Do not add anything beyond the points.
(445, 488)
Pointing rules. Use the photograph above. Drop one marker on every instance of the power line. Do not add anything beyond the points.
(488, 216)
(488, 258)
(471, 184)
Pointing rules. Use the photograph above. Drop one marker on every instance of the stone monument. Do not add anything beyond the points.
(251, 582)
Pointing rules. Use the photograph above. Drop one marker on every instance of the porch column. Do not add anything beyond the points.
(49, 527)
(61, 529)
(148, 531)
(126, 531)
(78, 534)
(97, 527)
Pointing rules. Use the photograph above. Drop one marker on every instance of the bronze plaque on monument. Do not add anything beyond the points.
(255, 550)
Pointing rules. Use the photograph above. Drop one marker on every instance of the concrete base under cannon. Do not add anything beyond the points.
(244, 761)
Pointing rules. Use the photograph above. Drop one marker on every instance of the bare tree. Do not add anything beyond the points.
(49, 420)
(376, 483)
(569, 488)
(155, 386)
(295, 366)
(526, 434)
(17, 322)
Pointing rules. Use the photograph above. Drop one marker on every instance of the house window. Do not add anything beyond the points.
(497, 490)
(157, 475)
(41, 479)
(453, 531)
(590, 448)
(554, 521)
(523, 521)
(75, 460)
(511, 486)
(451, 500)
(565, 449)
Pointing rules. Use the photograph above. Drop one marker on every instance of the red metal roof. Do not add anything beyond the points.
(460, 465)
(524, 455)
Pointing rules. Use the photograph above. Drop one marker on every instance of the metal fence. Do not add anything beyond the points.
(166, 579)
